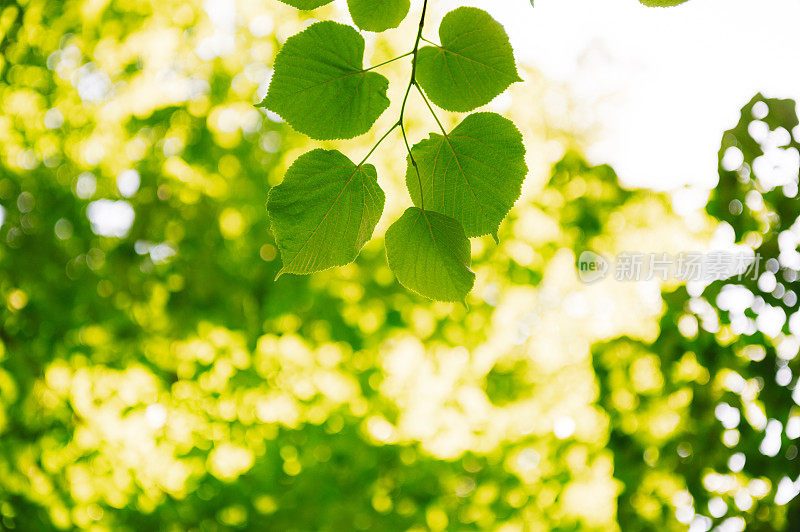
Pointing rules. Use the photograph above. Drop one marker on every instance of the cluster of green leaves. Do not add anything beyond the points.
(462, 182)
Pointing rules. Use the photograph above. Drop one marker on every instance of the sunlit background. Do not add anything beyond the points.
(153, 376)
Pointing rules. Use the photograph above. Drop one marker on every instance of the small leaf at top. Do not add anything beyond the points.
(378, 15)
(474, 63)
(306, 4)
(473, 174)
(662, 3)
(320, 87)
(324, 212)
(430, 254)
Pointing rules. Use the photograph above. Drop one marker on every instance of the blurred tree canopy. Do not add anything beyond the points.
(153, 376)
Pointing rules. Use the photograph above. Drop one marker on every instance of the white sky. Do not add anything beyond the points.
(677, 76)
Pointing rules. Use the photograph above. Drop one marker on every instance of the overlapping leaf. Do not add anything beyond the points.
(474, 63)
(324, 212)
(306, 4)
(474, 174)
(320, 87)
(378, 15)
(430, 254)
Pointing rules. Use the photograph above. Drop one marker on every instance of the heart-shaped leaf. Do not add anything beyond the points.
(473, 174)
(378, 15)
(472, 66)
(320, 87)
(430, 254)
(324, 212)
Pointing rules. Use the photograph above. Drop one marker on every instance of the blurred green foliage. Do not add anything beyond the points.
(724, 365)
(153, 376)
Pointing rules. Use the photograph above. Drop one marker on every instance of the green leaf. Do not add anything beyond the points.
(662, 3)
(473, 174)
(319, 86)
(306, 4)
(430, 255)
(472, 66)
(378, 15)
(324, 212)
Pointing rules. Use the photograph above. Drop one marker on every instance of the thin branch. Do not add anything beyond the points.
(401, 121)
(412, 82)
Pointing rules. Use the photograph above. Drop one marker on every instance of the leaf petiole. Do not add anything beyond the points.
(416, 168)
(430, 108)
(389, 61)
(375, 147)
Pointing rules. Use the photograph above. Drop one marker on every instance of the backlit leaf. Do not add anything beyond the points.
(662, 3)
(319, 86)
(378, 15)
(474, 174)
(472, 66)
(430, 254)
(324, 212)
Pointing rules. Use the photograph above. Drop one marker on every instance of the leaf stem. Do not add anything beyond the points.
(430, 108)
(375, 147)
(412, 82)
(389, 61)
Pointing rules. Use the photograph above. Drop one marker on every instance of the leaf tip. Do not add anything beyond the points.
(496, 238)
(280, 274)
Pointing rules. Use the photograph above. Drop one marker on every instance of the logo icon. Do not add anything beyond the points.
(592, 267)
